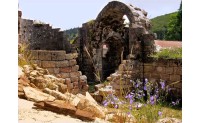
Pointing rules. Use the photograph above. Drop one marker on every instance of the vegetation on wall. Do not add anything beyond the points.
(174, 53)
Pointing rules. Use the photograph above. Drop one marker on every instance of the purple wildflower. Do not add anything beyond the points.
(106, 104)
(159, 113)
(152, 101)
(146, 80)
(128, 113)
(131, 81)
(116, 106)
(131, 101)
(145, 87)
(162, 84)
(173, 103)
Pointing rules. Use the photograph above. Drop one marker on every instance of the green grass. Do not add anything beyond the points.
(149, 113)
(175, 53)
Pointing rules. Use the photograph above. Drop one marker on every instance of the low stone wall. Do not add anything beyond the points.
(62, 65)
(154, 70)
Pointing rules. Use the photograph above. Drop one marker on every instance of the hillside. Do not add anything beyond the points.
(160, 23)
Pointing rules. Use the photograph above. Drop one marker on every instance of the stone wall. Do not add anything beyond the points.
(109, 29)
(62, 65)
(169, 70)
(41, 36)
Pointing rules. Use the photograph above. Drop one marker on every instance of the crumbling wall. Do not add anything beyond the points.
(122, 42)
(41, 36)
(169, 70)
(62, 65)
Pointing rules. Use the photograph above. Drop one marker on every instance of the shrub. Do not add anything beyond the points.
(24, 55)
(173, 53)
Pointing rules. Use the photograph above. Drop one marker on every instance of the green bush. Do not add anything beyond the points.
(174, 53)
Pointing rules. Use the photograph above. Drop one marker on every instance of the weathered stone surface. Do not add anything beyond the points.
(34, 54)
(58, 55)
(85, 115)
(56, 94)
(67, 80)
(74, 79)
(48, 64)
(53, 70)
(64, 75)
(62, 87)
(44, 55)
(98, 86)
(62, 63)
(27, 69)
(74, 74)
(169, 70)
(20, 72)
(69, 56)
(75, 68)
(65, 69)
(72, 62)
(174, 78)
(85, 105)
(36, 95)
(38, 62)
(57, 106)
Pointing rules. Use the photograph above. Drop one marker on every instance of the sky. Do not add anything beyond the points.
(66, 14)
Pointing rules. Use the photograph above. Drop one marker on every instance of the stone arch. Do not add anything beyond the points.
(108, 28)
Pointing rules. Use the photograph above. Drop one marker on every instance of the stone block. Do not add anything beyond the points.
(160, 69)
(48, 64)
(83, 77)
(67, 81)
(34, 54)
(75, 68)
(74, 74)
(53, 70)
(174, 78)
(72, 62)
(148, 68)
(74, 79)
(169, 70)
(44, 55)
(86, 87)
(178, 70)
(38, 62)
(65, 69)
(64, 63)
(58, 55)
(62, 87)
(75, 91)
(84, 115)
(64, 75)
(69, 56)
(165, 76)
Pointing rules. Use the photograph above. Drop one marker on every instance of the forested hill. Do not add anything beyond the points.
(160, 24)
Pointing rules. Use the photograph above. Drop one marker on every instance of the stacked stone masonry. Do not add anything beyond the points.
(154, 70)
(62, 65)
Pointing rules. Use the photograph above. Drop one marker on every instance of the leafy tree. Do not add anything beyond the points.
(174, 29)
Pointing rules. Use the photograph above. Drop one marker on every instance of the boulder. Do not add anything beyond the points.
(87, 105)
(36, 95)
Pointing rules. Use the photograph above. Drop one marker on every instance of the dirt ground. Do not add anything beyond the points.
(26, 114)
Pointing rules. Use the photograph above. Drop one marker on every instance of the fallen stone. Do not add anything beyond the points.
(85, 115)
(20, 72)
(58, 95)
(58, 106)
(62, 87)
(98, 86)
(36, 95)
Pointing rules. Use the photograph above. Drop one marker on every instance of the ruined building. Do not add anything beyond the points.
(105, 45)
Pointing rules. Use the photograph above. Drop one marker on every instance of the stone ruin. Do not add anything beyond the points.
(108, 40)
(104, 46)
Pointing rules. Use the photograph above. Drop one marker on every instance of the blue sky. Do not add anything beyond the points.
(67, 14)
